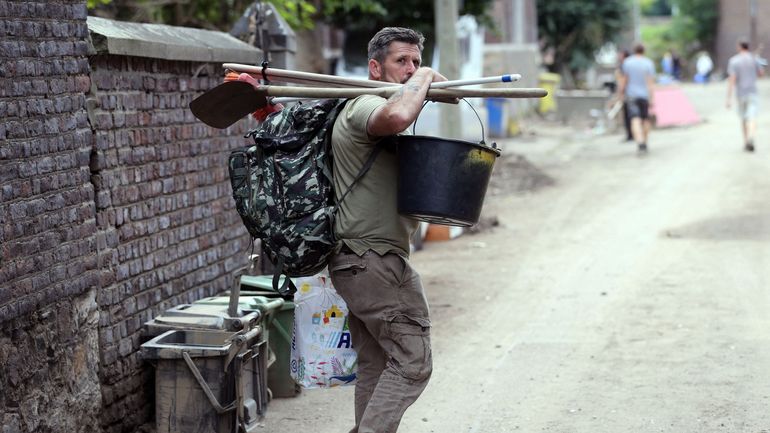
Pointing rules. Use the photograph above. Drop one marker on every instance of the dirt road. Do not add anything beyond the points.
(632, 295)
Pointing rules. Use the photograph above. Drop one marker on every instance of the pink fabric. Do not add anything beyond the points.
(672, 108)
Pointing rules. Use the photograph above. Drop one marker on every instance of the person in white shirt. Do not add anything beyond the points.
(703, 66)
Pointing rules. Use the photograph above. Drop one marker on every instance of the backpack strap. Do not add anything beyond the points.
(288, 287)
(367, 165)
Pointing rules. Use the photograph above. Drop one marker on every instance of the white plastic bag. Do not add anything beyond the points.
(322, 354)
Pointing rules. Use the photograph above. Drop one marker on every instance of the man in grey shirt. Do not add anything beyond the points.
(743, 70)
(636, 84)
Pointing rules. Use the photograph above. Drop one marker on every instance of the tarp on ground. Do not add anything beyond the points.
(671, 107)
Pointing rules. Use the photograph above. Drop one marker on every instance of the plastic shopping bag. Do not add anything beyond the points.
(322, 354)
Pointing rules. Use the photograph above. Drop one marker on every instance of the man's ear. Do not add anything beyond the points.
(375, 70)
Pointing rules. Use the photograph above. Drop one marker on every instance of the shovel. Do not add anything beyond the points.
(229, 102)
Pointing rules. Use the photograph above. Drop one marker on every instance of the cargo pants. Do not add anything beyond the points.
(390, 327)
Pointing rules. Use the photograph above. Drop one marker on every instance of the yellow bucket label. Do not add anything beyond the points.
(478, 156)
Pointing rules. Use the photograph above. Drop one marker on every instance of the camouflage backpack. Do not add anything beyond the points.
(283, 190)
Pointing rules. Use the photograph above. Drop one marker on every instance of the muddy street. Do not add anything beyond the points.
(617, 293)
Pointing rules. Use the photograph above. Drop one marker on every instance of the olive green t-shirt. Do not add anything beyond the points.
(368, 218)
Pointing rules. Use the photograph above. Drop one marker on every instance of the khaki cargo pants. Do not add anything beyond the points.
(390, 328)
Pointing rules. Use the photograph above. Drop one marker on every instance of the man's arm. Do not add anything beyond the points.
(651, 87)
(730, 87)
(404, 106)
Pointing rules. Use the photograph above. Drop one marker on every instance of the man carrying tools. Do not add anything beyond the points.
(389, 319)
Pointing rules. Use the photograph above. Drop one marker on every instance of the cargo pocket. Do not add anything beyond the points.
(409, 350)
(348, 272)
(348, 267)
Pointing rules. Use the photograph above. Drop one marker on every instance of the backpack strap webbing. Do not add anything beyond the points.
(288, 287)
(367, 165)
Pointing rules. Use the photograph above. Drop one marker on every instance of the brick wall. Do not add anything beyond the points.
(167, 230)
(115, 206)
(48, 313)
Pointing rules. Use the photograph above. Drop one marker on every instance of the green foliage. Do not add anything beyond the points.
(658, 39)
(368, 16)
(298, 14)
(655, 7)
(342, 9)
(93, 4)
(696, 23)
(576, 29)
(688, 32)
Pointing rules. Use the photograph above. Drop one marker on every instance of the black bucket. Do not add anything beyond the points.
(443, 181)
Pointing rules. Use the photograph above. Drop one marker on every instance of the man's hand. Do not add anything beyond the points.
(437, 77)
(261, 114)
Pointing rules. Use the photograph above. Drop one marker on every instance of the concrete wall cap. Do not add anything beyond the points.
(168, 42)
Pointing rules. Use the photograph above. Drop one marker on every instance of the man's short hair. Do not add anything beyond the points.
(743, 43)
(378, 45)
(639, 49)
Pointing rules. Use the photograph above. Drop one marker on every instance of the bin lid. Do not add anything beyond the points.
(263, 282)
(186, 316)
(245, 302)
(196, 316)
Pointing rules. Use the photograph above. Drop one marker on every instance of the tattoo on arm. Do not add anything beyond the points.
(396, 96)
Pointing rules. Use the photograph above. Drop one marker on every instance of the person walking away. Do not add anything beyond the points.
(667, 64)
(676, 66)
(620, 98)
(636, 84)
(389, 319)
(743, 70)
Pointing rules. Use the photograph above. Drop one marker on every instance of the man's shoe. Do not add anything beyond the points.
(749, 146)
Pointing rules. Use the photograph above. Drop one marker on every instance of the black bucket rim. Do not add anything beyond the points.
(442, 219)
(493, 148)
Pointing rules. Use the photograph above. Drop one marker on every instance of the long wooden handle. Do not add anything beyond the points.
(386, 92)
(299, 77)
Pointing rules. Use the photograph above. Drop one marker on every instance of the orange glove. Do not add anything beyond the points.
(261, 114)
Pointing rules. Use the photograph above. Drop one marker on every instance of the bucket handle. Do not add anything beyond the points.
(206, 390)
(414, 125)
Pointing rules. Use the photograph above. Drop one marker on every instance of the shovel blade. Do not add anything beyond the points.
(227, 103)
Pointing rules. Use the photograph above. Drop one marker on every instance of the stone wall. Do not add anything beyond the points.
(115, 206)
(167, 231)
(48, 277)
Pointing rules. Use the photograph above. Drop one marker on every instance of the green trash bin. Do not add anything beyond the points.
(280, 328)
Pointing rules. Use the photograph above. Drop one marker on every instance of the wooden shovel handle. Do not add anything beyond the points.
(386, 92)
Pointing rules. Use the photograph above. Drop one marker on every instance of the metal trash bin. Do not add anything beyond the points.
(194, 317)
(207, 381)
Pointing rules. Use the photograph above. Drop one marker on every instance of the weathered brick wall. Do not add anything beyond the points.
(167, 230)
(115, 206)
(48, 313)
